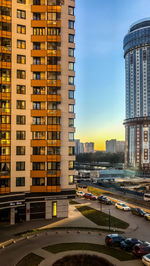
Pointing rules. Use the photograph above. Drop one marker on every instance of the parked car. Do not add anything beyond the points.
(146, 259)
(141, 249)
(147, 216)
(89, 196)
(114, 240)
(122, 206)
(138, 211)
(80, 193)
(129, 243)
(104, 200)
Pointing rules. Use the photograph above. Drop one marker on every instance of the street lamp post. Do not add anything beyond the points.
(109, 219)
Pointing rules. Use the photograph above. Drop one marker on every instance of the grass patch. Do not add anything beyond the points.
(31, 259)
(73, 202)
(114, 252)
(97, 191)
(101, 218)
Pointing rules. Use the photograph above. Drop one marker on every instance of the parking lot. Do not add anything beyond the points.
(139, 226)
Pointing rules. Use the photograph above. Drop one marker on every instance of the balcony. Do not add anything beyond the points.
(38, 8)
(38, 98)
(54, 98)
(38, 38)
(54, 38)
(39, 83)
(54, 143)
(54, 112)
(53, 173)
(38, 112)
(54, 53)
(53, 158)
(52, 23)
(38, 23)
(39, 53)
(6, 49)
(54, 82)
(55, 68)
(37, 158)
(5, 142)
(38, 173)
(4, 190)
(39, 68)
(38, 143)
(54, 9)
(53, 127)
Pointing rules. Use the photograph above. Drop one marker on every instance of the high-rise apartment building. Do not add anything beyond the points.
(137, 123)
(88, 147)
(36, 108)
(115, 146)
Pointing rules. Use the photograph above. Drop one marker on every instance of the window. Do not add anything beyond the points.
(21, 1)
(71, 94)
(53, 120)
(5, 119)
(52, 16)
(20, 104)
(71, 66)
(71, 108)
(21, 119)
(53, 31)
(53, 181)
(71, 179)
(38, 105)
(53, 150)
(38, 166)
(20, 166)
(21, 29)
(37, 2)
(38, 181)
(20, 150)
(52, 167)
(71, 24)
(53, 135)
(71, 165)
(71, 10)
(36, 16)
(71, 122)
(4, 135)
(38, 151)
(52, 45)
(20, 135)
(21, 14)
(4, 151)
(36, 46)
(71, 52)
(38, 90)
(21, 89)
(21, 74)
(71, 80)
(21, 44)
(38, 31)
(38, 135)
(52, 90)
(5, 167)
(38, 120)
(71, 150)
(36, 75)
(71, 136)
(20, 181)
(53, 2)
(5, 11)
(21, 59)
(71, 38)
(36, 60)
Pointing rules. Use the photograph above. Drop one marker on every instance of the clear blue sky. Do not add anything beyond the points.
(100, 76)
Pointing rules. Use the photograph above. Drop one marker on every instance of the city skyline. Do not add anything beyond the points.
(100, 108)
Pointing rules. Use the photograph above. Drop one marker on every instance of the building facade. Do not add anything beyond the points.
(88, 147)
(137, 123)
(36, 108)
(114, 146)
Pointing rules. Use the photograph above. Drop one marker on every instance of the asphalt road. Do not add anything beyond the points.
(140, 228)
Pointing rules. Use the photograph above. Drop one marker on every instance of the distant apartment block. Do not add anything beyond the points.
(89, 147)
(114, 146)
(86, 147)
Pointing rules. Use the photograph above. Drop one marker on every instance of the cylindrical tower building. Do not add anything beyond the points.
(137, 124)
